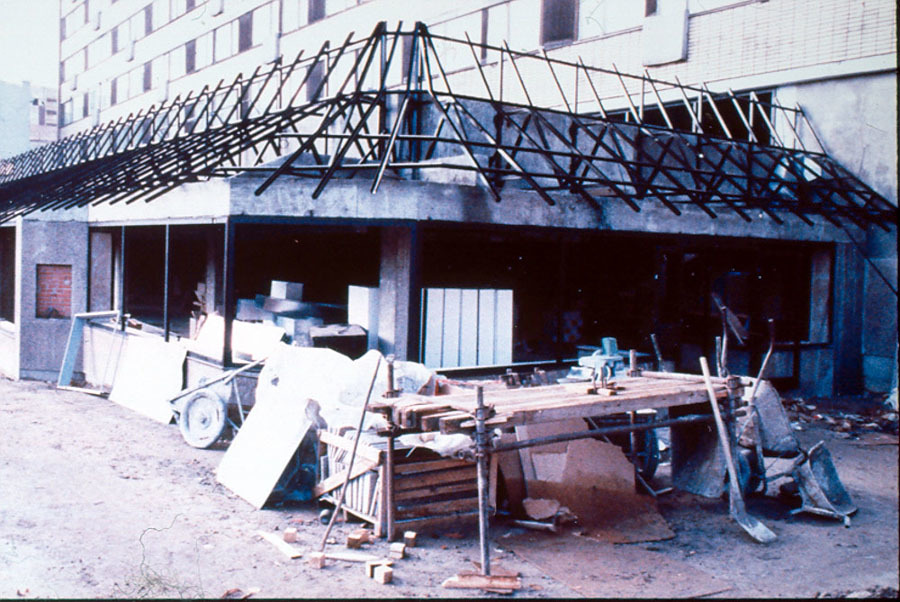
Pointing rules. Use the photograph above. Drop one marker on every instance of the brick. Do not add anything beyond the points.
(398, 550)
(371, 565)
(383, 574)
(290, 534)
(316, 559)
(409, 538)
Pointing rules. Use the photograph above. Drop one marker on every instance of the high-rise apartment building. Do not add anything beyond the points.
(647, 155)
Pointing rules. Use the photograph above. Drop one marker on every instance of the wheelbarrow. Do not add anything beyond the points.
(204, 412)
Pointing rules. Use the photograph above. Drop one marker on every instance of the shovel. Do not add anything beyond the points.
(750, 524)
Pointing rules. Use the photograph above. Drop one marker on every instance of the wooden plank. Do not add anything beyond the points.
(284, 547)
(436, 490)
(438, 477)
(336, 480)
(362, 450)
(429, 465)
(409, 416)
(432, 422)
(433, 508)
(489, 582)
(351, 557)
(451, 521)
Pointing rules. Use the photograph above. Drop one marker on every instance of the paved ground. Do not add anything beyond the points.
(99, 502)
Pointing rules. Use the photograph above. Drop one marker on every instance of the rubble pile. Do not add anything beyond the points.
(846, 424)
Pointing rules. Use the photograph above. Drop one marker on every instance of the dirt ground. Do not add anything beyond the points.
(99, 502)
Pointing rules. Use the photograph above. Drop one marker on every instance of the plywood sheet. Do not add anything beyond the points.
(284, 411)
(148, 373)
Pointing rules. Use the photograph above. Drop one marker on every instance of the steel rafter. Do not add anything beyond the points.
(406, 101)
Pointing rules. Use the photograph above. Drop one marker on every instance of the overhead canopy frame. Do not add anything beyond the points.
(401, 102)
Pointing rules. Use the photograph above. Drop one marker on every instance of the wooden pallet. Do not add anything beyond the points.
(429, 490)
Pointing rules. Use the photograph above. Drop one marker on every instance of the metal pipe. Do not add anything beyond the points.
(389, 487)
(123, 319)
(481, 456)
(166, 289)
(608, 430)
(228, 310)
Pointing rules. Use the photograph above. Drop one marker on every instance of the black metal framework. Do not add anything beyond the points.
(408, 102)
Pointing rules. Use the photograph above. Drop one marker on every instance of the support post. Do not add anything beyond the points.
(481, 457)
(400, 291)
(166, 288)
(228, 291)
(120, 280)
(389, 487)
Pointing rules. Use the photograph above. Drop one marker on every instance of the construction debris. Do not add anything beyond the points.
(290, 535)
(285, 548)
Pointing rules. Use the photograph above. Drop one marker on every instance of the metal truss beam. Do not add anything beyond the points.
(405, 101)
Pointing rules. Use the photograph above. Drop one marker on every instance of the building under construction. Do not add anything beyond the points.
(434, 164)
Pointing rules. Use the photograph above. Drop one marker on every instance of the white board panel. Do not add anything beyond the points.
(434, 326)
(450, 355)
(468, 331)
(148, 373)
(294, 383)
(503, 330)
(487, 300)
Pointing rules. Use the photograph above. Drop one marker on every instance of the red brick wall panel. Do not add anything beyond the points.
(54, 291)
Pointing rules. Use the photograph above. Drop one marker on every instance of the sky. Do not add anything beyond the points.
(29, 41)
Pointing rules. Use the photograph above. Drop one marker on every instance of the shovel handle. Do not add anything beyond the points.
(720, 429)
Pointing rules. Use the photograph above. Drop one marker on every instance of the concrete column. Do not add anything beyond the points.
(399, 292)
(212, 246)
(848, 311)
(879, 342)
(42, 340)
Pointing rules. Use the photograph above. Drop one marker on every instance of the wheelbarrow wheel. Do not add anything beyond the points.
(647, 460)
(203, 419)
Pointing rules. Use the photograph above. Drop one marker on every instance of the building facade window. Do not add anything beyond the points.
(190, 56)
(53, 291)
(8, 274)
(148, 76)
(67, 112)
(148, 19)
(245, 31)
(316, 11)
(650, 8)
(113, 91)
(559, 19)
